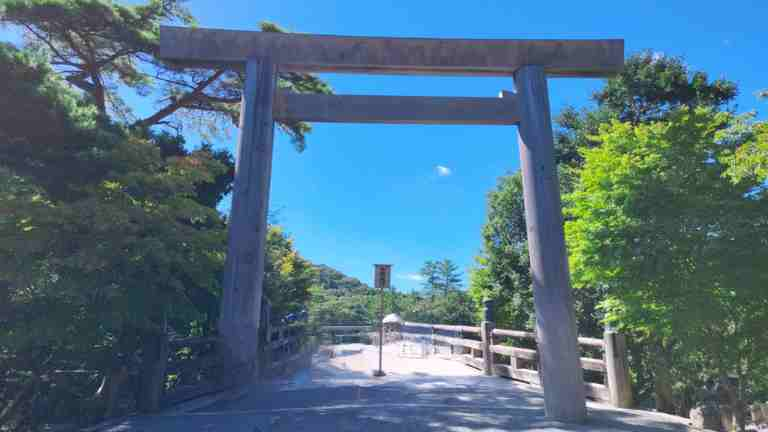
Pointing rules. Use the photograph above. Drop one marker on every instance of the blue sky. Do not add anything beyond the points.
(403, 194)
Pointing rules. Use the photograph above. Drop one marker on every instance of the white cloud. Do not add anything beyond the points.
(411, 276)
(443, 171)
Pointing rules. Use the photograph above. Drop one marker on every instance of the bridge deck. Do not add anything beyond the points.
(418, 394)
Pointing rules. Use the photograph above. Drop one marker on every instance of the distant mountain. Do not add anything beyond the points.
(332, 279)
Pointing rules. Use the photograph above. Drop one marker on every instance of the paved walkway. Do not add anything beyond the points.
(431, 394)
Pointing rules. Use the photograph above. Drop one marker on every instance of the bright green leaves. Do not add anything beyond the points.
(98, 221)
(288, 277)
(502, 271)
(675, 245)
(750, 160)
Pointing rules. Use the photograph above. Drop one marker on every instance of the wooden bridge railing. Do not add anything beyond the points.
(343, 333)
(513, 354)
(284, 346)
(190, 367)
(194, 367)
(180, 369)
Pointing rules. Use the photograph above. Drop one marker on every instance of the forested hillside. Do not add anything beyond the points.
(332, 279)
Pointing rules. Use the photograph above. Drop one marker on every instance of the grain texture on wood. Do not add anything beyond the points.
(593, 364)
(445, 327)
(560, 368)
(596, 391)
(514, 333)
(526, 375)
(395, 109)
(244, 267)
(457, 328)
(201, 47)
(523, 353)
(473, 344)
(591, 342)
(487, 339)
(617, 370)
(469, 360)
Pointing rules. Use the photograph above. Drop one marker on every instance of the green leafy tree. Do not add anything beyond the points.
(676, 247)
(328, 307)
(287, 276)
(430, 275)
(104, 241)
(649, 88)
(333, 279)
(449, 276)
(113, 237)
(502, 271)
(749, 161)
(440, 277)
(104, 49)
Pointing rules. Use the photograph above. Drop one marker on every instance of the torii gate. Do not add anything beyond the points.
(263, 55)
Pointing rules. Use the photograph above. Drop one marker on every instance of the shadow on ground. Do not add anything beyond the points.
(332, 397)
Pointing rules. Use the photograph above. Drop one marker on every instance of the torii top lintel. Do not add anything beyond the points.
(200, 47)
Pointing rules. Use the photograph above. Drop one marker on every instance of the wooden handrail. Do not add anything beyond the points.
(615, 388)
(592, 342)
(192, 341)
(531, 335)
(345, 327)
(514, 333)
(446, 327)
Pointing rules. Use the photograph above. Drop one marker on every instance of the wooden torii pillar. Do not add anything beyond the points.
(263, 55)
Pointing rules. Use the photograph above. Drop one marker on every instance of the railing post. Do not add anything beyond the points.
(153, 367)
(486, 327)
(434, 345)
(266, 350)
(617, 369)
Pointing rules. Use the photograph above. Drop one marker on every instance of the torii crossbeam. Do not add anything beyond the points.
(262, 55)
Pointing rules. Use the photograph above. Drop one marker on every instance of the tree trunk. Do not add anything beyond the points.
(732, 407)
(662, 381)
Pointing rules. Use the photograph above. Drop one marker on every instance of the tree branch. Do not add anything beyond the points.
(174, 82)
(53, 48)
(222, 99)
(178, 103)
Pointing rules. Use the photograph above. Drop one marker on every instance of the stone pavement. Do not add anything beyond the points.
(418, 394)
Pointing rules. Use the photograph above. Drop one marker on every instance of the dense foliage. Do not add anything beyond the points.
(106, 49)
(105, 238)
(441, 299)
(676, 247)
(663, 191)
(332, 279)
(111, 234)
